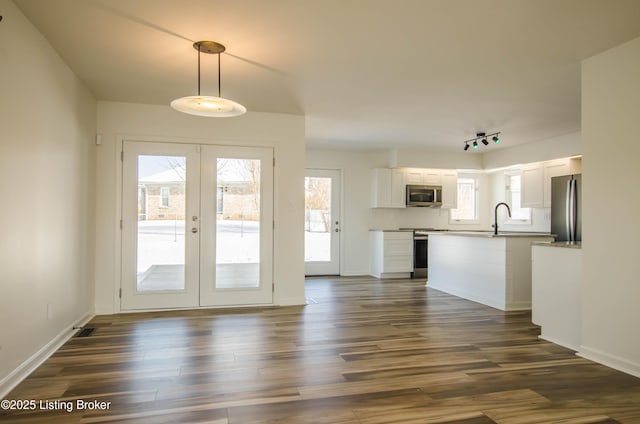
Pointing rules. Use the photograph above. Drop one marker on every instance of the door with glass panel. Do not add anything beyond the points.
(197, 225)
(237, 226)
(160, 210)
(322, 222)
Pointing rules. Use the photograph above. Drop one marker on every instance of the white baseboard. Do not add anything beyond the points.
(559, 342)
(292, 301)
(34, 361)
(610, 361)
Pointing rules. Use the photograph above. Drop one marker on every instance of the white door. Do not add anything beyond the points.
(197, 225)
(161, 199)
(236, 266)
(322, 222)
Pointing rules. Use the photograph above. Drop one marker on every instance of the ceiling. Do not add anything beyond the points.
(366, 74)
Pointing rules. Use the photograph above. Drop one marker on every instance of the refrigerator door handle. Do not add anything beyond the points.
(567, 221)
(572, 211)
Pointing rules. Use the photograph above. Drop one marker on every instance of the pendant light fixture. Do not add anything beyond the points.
(211, 106)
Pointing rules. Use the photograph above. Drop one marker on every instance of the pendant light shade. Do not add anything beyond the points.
(211, 106)
(208, 106)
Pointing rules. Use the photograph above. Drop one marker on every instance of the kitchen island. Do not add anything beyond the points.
(494, 270)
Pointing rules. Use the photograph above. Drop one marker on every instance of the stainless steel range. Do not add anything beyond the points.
(421, 251)
(420, 254)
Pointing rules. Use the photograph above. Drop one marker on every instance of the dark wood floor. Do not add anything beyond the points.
(362, 351)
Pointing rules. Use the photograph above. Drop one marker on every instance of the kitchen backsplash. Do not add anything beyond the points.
(391, 219)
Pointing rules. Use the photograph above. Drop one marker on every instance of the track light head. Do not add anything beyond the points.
(484, 141)
(466, 146)
(475, 144)
(496, 139)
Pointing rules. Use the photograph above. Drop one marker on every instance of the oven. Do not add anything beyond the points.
(420, 254)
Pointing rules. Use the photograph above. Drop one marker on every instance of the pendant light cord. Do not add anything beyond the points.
(219, 95)
(198, 70)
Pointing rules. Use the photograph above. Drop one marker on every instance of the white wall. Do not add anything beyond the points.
(46, 187)
(431, 159)
(285, 133)
(538, 151)
(610, 128)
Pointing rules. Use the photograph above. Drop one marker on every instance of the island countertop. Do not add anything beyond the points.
(562, 244)
(492, 235)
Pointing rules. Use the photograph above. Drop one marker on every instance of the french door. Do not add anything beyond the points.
(322, 222)
(197, 225)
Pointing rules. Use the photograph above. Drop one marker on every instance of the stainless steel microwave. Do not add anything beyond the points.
(424, 195)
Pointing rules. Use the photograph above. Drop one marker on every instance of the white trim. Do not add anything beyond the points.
(292, 301)
(610, 360)
(34, 361)
(559, 343)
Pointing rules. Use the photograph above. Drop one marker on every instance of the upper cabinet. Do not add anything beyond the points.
(449, 189)
(536, 180)
(423, 176)
(388, 186)
(532, 185)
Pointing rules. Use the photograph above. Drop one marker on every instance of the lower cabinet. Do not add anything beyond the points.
(391, 254)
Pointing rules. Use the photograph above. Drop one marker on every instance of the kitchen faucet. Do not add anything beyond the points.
(495, 217)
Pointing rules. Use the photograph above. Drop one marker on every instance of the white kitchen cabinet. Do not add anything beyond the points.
(449, 189)
(557, 293)
(554, 168)
(391, 254)
(398, 191)
(432, 177)
(532, 185)
(413, 176)
(381, 188)
(423, 176)
(387, 188)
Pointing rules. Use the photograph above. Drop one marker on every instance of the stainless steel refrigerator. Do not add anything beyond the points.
(566, 200)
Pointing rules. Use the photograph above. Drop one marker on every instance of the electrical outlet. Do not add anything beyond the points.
(49, 311)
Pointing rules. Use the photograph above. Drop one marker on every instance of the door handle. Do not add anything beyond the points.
(194, 230)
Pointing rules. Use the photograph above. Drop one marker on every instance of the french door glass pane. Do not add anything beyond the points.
(238, 223)
(317, 223)
(161, 223)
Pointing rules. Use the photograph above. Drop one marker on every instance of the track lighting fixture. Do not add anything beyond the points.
(483, 137)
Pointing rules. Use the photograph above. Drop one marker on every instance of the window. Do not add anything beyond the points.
(467, 211)
(519, 215)
(164, 196)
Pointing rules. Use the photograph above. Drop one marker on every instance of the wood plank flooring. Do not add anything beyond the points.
(362, 351)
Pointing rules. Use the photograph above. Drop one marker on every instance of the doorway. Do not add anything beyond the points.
(197, 227)
(322, 223)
